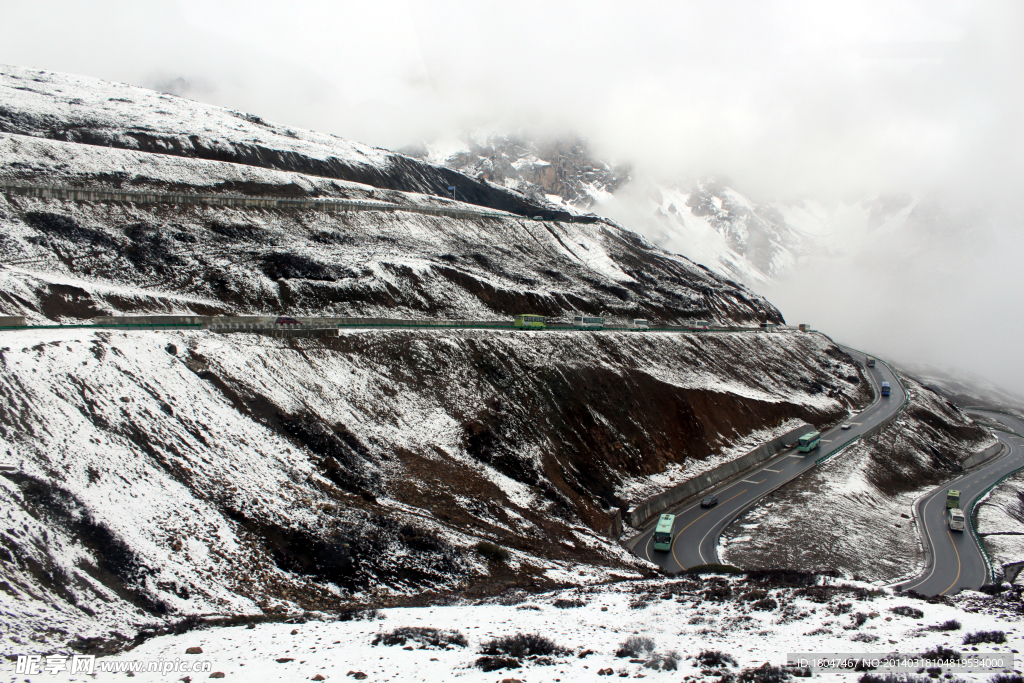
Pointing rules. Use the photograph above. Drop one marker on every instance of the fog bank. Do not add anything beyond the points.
(790, 100)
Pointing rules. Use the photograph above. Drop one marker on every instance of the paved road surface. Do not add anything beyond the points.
(696, 529)
(956, 561)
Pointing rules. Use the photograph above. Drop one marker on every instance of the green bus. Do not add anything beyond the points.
(952, 498)
(663, 533)
(537, 322)
(808, 442)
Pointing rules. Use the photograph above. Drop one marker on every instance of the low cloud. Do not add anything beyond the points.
(791, 100)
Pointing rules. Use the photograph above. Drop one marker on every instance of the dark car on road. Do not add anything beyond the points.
(285, 320)
(709, 502)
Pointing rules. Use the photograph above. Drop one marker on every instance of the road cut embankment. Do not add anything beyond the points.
(646, 509)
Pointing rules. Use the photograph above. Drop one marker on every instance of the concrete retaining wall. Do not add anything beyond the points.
(654, 505)
(984, 456)
(12, 321)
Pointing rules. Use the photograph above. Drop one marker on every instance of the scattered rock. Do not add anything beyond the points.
(605, 672)
(295, 631)
(217, 674)
(407, 647)
(319, 677)
(251, 626)
(586, 653)
(284, 660)
(358, 675)
(196, 650)
(511, 680)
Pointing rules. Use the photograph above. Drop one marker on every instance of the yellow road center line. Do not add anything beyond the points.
(674, 556)
(957, 562)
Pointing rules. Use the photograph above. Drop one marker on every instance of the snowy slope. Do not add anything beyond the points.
(305, 474)
(753, 623)
(309, 262)
(965, 388)
(89, 111)
(755, 242)
(315, 474)
(871, 485)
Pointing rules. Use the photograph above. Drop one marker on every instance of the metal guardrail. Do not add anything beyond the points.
(154, 327)
(835, 451)
(1005, 429)
(990, 572)
(989, 566)
(878, 427)
(906, 397)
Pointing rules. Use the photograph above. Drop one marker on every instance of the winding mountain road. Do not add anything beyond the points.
(955, 562)
(696, 529)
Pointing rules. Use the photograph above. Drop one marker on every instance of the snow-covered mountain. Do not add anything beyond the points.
(713, 224)
(705, 220)
(157, 475)
(170, 474)
(88, 111)
(965, 388)
(561, 171)
(708, 220)
(70, 130)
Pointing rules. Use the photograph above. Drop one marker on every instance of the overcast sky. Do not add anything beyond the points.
(833, 100)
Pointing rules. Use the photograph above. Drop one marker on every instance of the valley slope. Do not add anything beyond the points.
(160, 475)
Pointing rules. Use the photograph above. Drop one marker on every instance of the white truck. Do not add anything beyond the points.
(956, 519)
